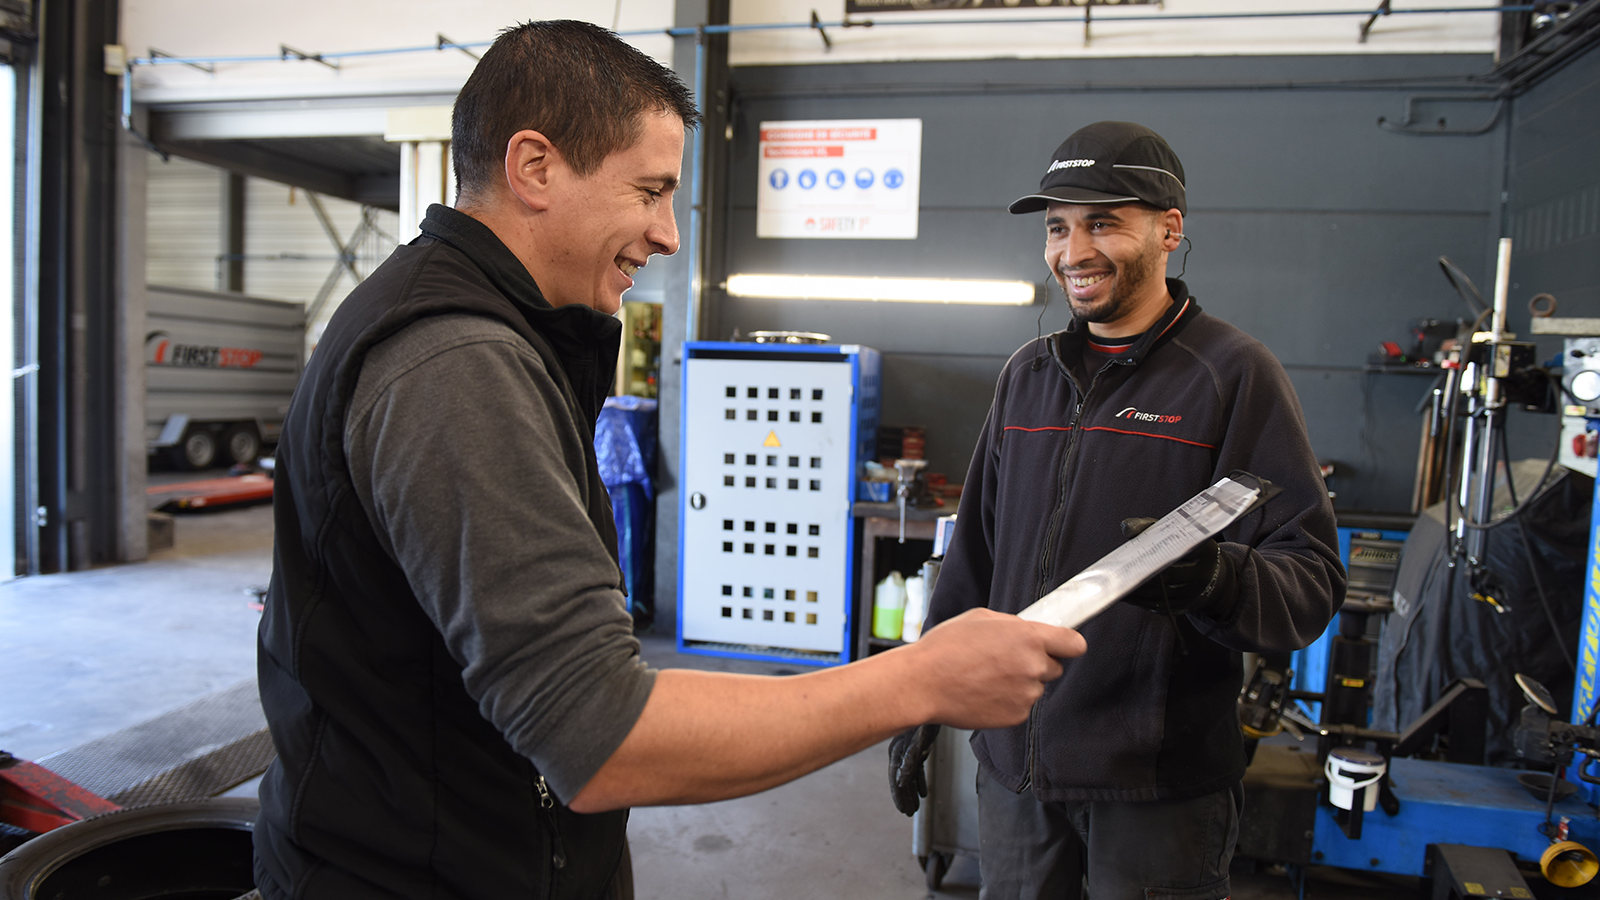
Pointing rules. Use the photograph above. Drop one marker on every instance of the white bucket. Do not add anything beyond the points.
(1350, 769)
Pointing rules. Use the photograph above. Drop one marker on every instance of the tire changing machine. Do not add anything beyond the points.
(1462, 824)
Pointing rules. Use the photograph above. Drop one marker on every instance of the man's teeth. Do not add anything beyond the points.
(1085, 282)
(627, 268)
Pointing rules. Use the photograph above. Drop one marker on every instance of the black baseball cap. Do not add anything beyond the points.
(1110, 162)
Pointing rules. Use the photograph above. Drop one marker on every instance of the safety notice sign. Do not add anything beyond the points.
(839, 178)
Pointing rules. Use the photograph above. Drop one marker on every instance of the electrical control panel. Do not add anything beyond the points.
(773, 436)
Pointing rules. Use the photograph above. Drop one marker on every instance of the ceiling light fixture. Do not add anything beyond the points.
(902, 290)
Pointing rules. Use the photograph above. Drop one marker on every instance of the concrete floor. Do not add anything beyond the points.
(88, 653)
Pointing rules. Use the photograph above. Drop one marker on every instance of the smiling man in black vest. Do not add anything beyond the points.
(453, 685)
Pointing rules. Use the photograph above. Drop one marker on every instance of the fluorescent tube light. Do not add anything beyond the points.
(905, 290)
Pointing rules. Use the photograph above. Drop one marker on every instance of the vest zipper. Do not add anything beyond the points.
(558, 855)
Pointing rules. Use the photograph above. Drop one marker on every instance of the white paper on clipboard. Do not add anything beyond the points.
(1088, 593)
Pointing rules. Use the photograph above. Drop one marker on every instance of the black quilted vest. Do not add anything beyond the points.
(388, 782)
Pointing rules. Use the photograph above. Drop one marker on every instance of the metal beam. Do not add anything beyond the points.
(239, 124)
(79, 333)
(233, 225)
(249, 160)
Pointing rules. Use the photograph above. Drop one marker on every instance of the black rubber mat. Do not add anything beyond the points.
(195, 751)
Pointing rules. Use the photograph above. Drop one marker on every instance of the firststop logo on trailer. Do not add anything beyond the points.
(161, 351)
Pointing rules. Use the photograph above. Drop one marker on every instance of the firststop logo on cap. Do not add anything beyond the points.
(1069, 164)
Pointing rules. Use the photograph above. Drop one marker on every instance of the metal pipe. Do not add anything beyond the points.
(1469, 438)
(1493, 408)
(1502, 287)
(1484, 508)
(691, 328)
(1101, 18)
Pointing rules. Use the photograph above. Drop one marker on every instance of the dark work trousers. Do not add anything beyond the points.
(1162, 850)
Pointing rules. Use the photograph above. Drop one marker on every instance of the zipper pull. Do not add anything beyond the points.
(547, 802)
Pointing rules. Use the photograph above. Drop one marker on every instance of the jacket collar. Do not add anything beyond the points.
(586, 340)
(1067, 345)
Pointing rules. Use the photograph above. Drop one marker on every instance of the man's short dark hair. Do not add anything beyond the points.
(578, 84)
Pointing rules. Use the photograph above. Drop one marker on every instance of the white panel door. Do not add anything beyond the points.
(765, 554)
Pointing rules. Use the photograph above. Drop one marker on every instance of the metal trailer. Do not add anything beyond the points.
(947, 822)
(219, 371)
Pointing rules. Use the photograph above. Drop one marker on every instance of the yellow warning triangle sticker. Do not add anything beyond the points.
(772, 440)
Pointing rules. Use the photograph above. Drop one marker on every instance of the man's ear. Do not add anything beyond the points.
(530, 168)
(1170, 224)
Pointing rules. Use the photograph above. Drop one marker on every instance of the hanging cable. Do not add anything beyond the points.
(1038, 340)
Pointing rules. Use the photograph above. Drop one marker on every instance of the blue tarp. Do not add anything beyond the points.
(625, 446)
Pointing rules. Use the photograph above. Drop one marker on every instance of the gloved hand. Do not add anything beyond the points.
(908, 752)
(1202, 581)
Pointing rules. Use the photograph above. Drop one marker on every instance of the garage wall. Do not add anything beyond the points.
(183, 222)
(1313, 229)
(1054, 28)
(289, 255)
(1554, 199)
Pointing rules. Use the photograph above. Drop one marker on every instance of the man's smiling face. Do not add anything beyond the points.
(609, 223)
(1108, 259)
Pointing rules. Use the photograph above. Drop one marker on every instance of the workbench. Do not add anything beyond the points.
(882, 553)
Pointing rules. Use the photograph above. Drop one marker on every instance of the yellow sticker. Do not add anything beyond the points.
(1353, 682)
(1522, 893)
(1473, 887)
(772, 440)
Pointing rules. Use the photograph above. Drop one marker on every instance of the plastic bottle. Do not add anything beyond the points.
(889, 607)
(916, 608)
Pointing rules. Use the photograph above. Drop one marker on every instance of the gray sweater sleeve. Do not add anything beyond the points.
(459, 446)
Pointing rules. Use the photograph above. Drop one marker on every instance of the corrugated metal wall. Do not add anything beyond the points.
(288, 253)
(1554, 196)
(183, 223)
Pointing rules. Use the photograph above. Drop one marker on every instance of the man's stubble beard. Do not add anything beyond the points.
(1130, 279)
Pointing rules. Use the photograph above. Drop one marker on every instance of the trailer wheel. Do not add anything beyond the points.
(935, 869)
(197, 449)
(242, 443)
(184, 850)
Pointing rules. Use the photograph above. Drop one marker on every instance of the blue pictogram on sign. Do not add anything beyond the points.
(835, 178)
(863, 178)
(779, 179)
(893, 179)
(807, 179)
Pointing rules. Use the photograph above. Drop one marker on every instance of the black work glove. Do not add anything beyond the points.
(1202, 581)
(908, 751)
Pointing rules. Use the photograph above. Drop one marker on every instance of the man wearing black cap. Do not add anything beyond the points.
(1129, 768)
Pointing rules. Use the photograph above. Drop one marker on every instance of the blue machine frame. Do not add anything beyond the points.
(1584, 697)
(1480, 806)
(865, 377)
(1447, 803)
(1311, 664)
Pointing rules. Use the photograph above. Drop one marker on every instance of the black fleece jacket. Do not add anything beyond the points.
(1149, 712)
